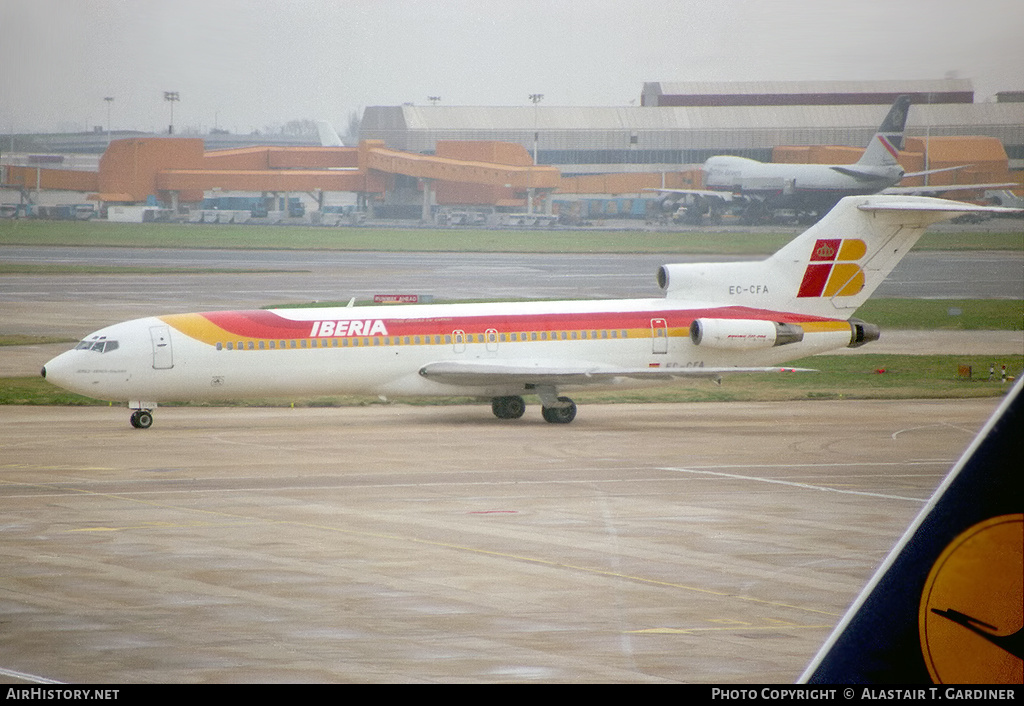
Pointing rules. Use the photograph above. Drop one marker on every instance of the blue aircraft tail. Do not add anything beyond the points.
(946, 606)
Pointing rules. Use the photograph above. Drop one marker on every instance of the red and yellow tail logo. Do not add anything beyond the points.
(833, 270)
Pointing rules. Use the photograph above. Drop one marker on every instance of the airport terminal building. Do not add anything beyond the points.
(595, 161)
(680, 125)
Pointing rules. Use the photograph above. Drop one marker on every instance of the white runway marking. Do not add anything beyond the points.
(27, 677)
(793, 484)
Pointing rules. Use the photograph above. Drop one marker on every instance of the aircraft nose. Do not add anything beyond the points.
(56, 371)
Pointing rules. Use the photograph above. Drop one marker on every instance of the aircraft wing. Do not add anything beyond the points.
(706, 193)
(483, 373)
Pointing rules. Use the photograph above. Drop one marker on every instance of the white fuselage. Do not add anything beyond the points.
(794, 184)
(381, 350)
(716, 318)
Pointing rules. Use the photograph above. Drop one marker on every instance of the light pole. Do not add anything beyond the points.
(535, 98)
(172, 98)
(109, 100)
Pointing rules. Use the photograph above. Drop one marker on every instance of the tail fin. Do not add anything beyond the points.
(831, 268)
(945, 606)
(884, 147)
(328, 136)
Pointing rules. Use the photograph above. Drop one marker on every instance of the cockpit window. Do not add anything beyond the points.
(101, 345)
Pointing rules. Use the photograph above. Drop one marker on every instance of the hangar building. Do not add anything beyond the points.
(680, 125)
(414, 158)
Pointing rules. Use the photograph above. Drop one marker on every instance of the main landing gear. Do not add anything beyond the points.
(142, 419)
(508, 407)
(560, 415)
(561, 410)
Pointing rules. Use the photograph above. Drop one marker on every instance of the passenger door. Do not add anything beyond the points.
(659, 336)
(163, 356)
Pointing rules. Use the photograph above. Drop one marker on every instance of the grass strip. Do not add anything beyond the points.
(415, 239)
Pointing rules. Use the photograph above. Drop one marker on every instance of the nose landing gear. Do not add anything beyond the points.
(142, 419)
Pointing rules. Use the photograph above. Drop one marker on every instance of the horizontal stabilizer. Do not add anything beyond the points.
(933, 205)
(942, 188)
(859, 174)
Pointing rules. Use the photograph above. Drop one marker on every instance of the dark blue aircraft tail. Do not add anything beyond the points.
(946, 606)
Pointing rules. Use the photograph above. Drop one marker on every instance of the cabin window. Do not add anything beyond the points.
(220, 345)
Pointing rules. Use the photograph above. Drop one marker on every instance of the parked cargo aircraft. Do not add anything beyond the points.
(808, 189)
(715, 319)
(945, 606)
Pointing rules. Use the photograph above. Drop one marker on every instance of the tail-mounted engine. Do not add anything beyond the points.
(862, 332)
(743, 334)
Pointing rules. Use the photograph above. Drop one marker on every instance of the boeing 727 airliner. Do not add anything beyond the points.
(715, 319)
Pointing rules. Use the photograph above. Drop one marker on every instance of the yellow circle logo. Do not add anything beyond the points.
(972, 607)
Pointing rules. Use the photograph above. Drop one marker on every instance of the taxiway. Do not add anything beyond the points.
(654, 543)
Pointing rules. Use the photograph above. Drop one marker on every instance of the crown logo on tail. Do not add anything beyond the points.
(833, 270)
(825, 251)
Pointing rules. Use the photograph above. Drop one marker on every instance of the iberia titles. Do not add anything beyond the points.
(339, 329)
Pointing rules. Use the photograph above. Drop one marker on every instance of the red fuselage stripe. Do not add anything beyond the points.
(268, 325)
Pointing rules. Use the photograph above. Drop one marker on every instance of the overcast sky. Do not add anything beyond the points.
(246, 65)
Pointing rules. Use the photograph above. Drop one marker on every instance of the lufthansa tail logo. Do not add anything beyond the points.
(971, 616)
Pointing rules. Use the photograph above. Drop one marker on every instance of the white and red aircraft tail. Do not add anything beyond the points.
(715, 319)
(830, 269)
